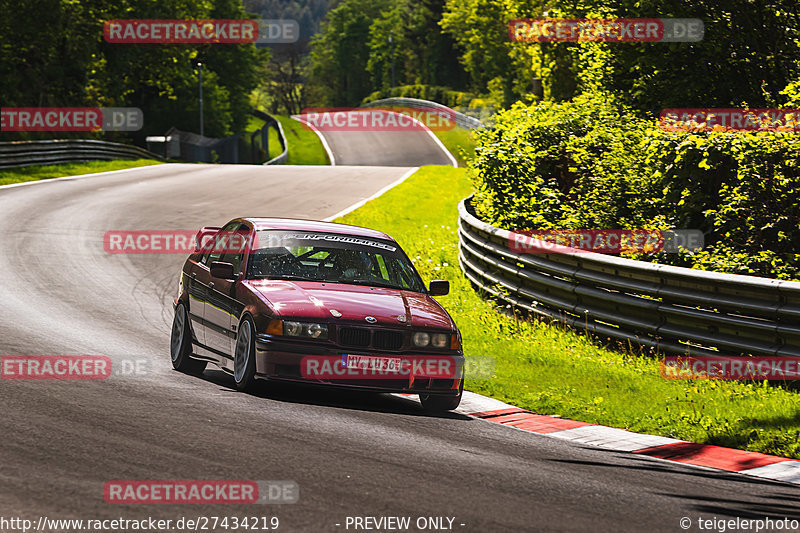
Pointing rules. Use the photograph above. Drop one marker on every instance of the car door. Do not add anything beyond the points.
(198, 294)
(222, 311)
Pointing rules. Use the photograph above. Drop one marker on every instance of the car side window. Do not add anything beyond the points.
(234, 257)
(214, 254)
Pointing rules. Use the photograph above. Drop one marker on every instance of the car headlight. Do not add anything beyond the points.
(440, 340)
(309, 330)
(434, 340)
(421, 339)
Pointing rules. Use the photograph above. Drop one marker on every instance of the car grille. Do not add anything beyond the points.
(358, 337)
(388, 339)
(382, 339)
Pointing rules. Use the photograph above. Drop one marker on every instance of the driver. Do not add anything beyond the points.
(273, 262)
(350, 264)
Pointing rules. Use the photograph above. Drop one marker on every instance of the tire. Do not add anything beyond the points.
(244, 357)
(439, 404)
(180, 346)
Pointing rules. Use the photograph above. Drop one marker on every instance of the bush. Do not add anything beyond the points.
(442, 95)
(590, 164)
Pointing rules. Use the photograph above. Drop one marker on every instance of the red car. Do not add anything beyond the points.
(315, 302)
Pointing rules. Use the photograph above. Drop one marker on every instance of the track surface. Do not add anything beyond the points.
(351, 454)
(386, 148)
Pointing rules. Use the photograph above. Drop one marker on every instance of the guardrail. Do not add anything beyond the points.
(283, 157)
(24, 153)
(464, 121)
(672, 309)
(271, 121)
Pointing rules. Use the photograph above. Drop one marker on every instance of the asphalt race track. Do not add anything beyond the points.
(409, 148)
(351, 454)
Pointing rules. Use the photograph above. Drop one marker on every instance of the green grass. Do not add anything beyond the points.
(552, 370)
(305, 148)
(42, 172)
(459, 142)
(275, 147)
(254, 123)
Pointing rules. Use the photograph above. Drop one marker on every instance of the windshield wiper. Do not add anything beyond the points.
(377, 283)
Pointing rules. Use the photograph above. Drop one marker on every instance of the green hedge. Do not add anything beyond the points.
(589, 164)
(442, 95)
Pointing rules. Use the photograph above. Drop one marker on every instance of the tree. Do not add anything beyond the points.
(750, 52)
(423, 54)
(491, 60)
(71, 65)
(340, 53)
(433, 52)
(285, 79)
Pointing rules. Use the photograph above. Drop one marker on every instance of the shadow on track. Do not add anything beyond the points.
(302, 393)
(782, 504)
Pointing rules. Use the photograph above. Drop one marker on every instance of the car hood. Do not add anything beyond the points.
(316, 300)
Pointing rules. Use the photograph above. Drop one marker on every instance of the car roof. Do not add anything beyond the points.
(299, 224)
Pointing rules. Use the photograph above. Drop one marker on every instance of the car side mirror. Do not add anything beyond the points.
(221, 270)
(439, 287)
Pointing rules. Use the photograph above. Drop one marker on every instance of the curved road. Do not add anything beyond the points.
(351, 454)
(360, 145)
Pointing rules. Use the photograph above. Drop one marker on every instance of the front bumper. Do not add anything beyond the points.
(290, 361)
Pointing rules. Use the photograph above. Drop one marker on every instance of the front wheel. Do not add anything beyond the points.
(244, 358)
(180, 346)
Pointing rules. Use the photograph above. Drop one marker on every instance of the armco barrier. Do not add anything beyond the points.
(462, 120)
(673, 309)
(24, 153)
(283, 157)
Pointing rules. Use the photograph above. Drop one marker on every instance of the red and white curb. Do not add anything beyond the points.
(702, 455)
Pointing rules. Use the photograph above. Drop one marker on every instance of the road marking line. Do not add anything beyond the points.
(702, 456)
(360, 203)
(542, 424)
(432, 135)
(613, 438)
(727, 459)
(475, 403)
(77, 176)
(788, 471)
(321, 138)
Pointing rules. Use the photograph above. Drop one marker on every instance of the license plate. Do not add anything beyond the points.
(370, 363)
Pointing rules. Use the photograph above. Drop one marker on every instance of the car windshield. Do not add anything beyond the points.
(331, 257)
